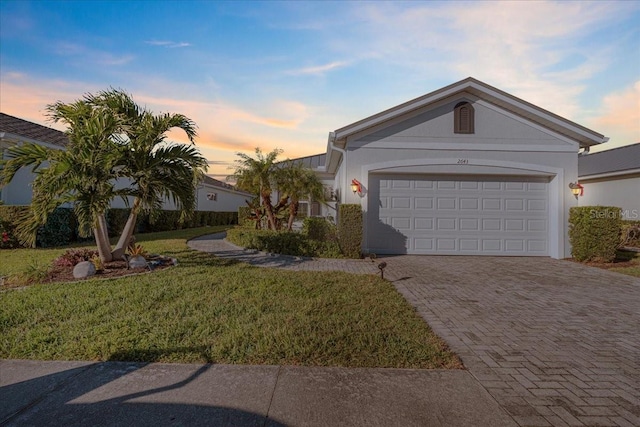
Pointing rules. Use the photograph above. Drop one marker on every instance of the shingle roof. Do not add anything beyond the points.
(614, 160)
(216, 183)
(24, 128)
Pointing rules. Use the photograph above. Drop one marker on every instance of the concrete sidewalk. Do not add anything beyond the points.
(35, 393)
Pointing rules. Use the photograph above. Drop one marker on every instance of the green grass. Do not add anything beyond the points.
(219, 311)
(634, 258)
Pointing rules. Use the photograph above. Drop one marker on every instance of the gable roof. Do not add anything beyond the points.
(220, 184)
(22, 128)
(614, 161)
(586, 137)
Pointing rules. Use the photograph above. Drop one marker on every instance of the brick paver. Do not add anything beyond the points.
(215, 244)
(555, 343)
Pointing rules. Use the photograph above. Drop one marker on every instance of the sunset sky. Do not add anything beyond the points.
(284, 74)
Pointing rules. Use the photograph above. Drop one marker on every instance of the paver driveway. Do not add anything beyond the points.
(554, 342)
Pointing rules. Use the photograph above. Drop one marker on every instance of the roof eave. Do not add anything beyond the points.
(584, 136)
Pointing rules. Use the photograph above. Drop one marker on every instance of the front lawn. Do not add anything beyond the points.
(217, 311)
(629, 263)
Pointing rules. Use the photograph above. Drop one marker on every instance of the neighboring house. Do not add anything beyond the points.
(612, 178)
(14, 131)
(212, 195)
(465, 170)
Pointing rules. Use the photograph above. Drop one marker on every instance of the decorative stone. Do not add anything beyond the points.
(138, 261)
(84, 269)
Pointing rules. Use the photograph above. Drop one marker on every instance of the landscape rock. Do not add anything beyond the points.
(137, 262)
(84, 269)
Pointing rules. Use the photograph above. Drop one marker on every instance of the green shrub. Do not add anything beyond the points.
(8, 239)
(116, 220)
(319, 228)
(350, 230)
(594, 232)
(283, 242)
(58, 231)
(243, 214)
(164, 221)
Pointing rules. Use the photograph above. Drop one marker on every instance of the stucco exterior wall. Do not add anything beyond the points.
(620, 191)
(503, 144)
(19, 190)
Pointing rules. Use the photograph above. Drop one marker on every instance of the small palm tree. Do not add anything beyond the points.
(82, 175)
(298, 182)
(110, 138)
(258, 176)
(158, 170)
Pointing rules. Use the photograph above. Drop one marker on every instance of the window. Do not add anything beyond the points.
(463, 120)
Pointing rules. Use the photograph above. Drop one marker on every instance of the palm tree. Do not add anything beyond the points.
(110, 138)
(82, 175)
(158, 170)
(298, 182)
(258, 176)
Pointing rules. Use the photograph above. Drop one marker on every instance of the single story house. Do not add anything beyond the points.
(212, 195)
(612, 178)
(465, 170)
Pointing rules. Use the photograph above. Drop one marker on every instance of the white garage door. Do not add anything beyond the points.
(420, 214)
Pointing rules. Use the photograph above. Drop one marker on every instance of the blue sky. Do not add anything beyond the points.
(284, 74)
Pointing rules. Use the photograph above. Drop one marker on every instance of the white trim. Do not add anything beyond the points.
(481, 89)
(456, 146)
(609, 174)
(556, 183)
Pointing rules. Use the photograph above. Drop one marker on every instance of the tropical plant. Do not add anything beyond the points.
(158, 170)
(110, 138)
(83, 174)
(297, 182)
(258, 175)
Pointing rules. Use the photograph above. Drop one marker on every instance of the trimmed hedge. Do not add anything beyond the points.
(350, 230)
(319, 228)
(283, 242)
(62, 226)
(244, 212)
(59, 229)
(594, 232)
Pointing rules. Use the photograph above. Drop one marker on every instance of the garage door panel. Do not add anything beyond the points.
(469, 204)
(446, 203)
(401, 202)
(424, 202)
(471, 215)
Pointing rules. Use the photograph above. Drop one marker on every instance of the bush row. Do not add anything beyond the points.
(62, 227)
(594, 232)
(350, 230)
(321, 244)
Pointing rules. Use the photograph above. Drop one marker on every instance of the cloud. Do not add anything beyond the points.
(535, 50)
(91, 55)
(620, 116)
(167, 44)
(319, 69)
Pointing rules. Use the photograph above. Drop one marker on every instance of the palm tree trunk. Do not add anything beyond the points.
(293, 211)
(105, 229)
(104, 248)
(268, 207)
(127, 232)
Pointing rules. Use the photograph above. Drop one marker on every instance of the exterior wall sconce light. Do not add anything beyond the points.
(356, 186)
(576, 189)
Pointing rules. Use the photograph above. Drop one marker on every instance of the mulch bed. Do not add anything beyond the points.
(111, 270)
